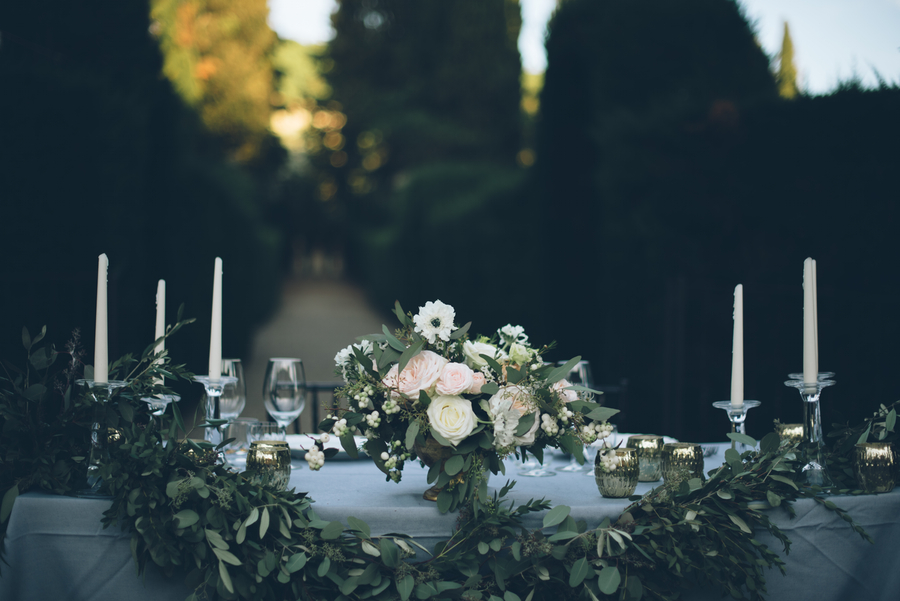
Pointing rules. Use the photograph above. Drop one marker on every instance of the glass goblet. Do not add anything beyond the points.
(284, 390)
(580, 375)
(234, 396)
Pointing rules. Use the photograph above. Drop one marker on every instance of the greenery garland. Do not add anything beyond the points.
(231, 539)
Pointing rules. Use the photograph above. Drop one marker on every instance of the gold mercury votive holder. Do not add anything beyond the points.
(792, 433)
(876, 467)
(622, 481)
(649, 452)
(269, 463)
(681, 457)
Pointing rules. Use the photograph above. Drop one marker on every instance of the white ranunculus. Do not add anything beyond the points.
(474, 350)
(435, 320)
(452, 417)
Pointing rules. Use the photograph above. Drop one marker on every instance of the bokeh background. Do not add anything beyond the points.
(610, 203)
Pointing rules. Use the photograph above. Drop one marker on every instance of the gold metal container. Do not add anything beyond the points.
(681, 457)
(876, 466)
(269, 463)
(622, 481)
(649, 452)
(790, 432)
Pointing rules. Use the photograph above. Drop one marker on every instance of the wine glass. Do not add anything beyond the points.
(234, 396)
(284, 390)
(580, 375)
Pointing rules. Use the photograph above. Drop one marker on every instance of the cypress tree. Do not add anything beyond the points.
(787, 70)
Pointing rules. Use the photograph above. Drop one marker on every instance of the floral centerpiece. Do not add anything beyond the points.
(461, 404)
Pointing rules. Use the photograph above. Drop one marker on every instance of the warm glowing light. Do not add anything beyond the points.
(334, 140)
(338, 159)
(525, 157)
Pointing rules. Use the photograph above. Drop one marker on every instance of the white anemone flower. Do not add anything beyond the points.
(435, 320)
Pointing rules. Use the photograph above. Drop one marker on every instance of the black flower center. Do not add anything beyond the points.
(435, 322)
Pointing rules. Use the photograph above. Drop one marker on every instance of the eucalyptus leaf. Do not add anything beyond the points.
(608, 580)
(226, 579)
(525, 423)
(408, 354)
(392, 340)
(580, 571)
(556, 515)
(359, 525)
(390, 553)
(9, 498)
(332, 531)
(742, 438)
(186, 518)
(454, 465)
(740, 523)
(891, 420)
(263, 523)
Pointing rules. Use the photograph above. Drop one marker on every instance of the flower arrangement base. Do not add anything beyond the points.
(432, 453)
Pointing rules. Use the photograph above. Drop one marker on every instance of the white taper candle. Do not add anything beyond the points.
(810, 368)
(737, 349)
(160, 318)
(215, 334)
(101, 349)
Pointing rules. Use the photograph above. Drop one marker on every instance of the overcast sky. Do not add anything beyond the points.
(833, 39)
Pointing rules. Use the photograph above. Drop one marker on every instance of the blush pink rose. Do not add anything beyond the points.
(567, 395)
(477, 382)
(455, 379)
(421, 373)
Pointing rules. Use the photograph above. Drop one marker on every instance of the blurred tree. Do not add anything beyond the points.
(641, 105)
(787, 70)
(218, 54)
(100, 154)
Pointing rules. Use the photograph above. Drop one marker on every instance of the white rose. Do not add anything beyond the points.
(516, 400)
(452, 417)
(421, 373)
(473, 350)
(519, 354)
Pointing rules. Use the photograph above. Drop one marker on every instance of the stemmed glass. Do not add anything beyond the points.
(234, 396)
(284, 390)
(580, 375)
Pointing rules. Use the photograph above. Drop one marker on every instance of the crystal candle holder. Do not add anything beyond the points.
(622, 481)
(214, 390)
(792, 433)
(815, 471)
(649, 452)
(737, 415)
(100, 437)
(269, 464)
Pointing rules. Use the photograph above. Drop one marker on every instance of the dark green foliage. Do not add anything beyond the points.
(98, 154)
(667, 158)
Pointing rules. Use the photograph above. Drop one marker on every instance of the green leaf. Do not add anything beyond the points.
(890, 420)
(227, 556)
(525, 423)
(186, 517)
(441, 440)
(332, 530)
(408, 354)
(773, 498)
(742, 438)
(349, 444)
(401, 316)
(602, 414)
(483, 547)
(411, 432)
(513, 375)
(215, 539)
(296, 562)
(444, 501)
(359, 525)
(370, 549)
(579, 572)
(511, 596)
(562, 371)
(609, 579)
(784, 480)
(405, 587)
(769, 443)
(390, 553)
(323, 567)
(635, 588)
(454, 465)
(26, 339)
(556, 515)
(9, 498)
(226, 579)
(461, 332)
(740, 523)
(264, 523)
(490, 388)
(392, 340)
(35, 392)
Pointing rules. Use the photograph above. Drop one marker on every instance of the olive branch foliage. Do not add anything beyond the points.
(231, 539)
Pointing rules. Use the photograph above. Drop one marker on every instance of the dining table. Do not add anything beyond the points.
(57, 548)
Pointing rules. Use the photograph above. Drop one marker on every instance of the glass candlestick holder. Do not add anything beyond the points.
(211, 410)
(815, 471)
(101, 392)
(737, 415)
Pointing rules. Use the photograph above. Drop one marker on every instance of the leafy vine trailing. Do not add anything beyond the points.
(231, 539)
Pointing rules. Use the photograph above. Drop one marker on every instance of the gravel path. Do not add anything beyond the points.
(316, 319)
